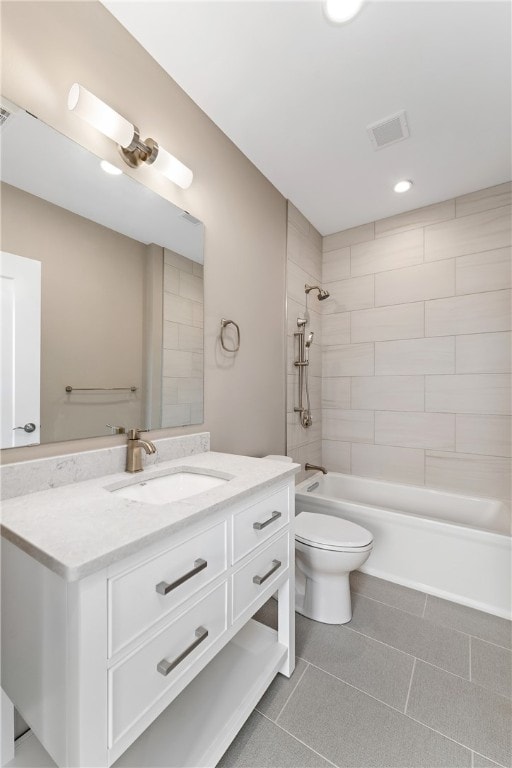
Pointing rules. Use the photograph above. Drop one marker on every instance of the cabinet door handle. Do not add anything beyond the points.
(163, 588)
(275, 515)
(164, 666)
(260, 579)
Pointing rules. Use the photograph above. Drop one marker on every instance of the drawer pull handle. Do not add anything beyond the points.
(163, 588)
(259, 526)
(260, 579)
(164, 666)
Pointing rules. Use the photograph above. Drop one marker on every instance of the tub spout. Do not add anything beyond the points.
(309, 467)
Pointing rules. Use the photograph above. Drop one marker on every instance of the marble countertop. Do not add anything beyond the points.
(80, 528)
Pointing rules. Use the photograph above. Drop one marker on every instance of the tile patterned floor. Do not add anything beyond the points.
(412, 681)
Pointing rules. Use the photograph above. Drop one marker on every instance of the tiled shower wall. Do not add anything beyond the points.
(182, 365)
(416, 346)
(304, 265)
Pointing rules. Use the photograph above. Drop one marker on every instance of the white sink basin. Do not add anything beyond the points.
(167, 488)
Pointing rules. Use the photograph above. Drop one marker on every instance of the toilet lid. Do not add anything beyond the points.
(328, 531)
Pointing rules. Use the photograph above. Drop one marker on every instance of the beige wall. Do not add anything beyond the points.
(45, 47)
(92, 310)
(416, 356)
(304, 265)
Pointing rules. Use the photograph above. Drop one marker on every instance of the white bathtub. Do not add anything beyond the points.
(455, 547)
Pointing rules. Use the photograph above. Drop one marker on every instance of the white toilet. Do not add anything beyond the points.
(327, 548)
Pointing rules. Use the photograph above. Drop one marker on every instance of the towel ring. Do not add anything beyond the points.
(223, 324)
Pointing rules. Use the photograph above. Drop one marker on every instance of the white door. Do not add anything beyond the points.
(20, 352)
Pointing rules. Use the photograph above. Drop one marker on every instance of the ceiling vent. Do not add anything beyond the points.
(4, 116)
(389, 130)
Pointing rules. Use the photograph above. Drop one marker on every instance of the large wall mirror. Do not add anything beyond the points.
(117, 272)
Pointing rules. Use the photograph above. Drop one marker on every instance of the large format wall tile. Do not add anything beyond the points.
(388, 393)
(474, 313)
(425, 281)
(484, 199)
(416, 430)
(347, 426)
(335, 456)
(336, 392)
(391, 252)
(487, 476)
(348, 360)
(420, 217)
(490, 435)
(336, 328)
(483, 353)
(349, 237)
(415, 356)
(468, 393)
(405, 465)
(488, 271)
(355, 293)
(404, 321)
(469, 234)
(336, 265)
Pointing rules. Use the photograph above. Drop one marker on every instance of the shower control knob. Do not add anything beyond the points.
(29, 427)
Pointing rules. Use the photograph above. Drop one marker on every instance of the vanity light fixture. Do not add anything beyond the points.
(402, 186)
(109, 168)
(127, 136)
(340, 11)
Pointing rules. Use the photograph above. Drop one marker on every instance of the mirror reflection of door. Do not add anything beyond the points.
(20, 282)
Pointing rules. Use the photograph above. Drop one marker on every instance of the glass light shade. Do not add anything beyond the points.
(340, 11)
(109, 168)
(402, 186)
(171, 167)
(98, 114)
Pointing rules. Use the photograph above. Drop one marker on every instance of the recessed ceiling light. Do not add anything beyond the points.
(109, 168)
(340, 11)
(402, 186)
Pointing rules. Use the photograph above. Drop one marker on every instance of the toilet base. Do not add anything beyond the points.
(323, 602)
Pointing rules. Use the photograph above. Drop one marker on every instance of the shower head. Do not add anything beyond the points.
(321, 293)
(309, 340)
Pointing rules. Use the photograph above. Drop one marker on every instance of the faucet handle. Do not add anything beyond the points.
(134, 433)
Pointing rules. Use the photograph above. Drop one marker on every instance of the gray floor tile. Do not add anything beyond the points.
(352, 729)
(491, 666)
(261, 744)
(482, 762)
(438, 645)
(406, 599)
(267, 614)
(371, 666)
(477, 623)
(276, 696)
(463, 711)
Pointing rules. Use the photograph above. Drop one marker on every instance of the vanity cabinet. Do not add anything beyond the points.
(155, 659)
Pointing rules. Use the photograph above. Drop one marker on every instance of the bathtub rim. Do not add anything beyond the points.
(506, 536)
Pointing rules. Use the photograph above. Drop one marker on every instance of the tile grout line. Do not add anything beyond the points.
(424, 606)
(299, 740)
(394, 709)
(437, 624)
(410, 686)
(293, 691)
(470, 664)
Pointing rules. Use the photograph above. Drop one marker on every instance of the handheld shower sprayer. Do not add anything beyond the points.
(309, 340)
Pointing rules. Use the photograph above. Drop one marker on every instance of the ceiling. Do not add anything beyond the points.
(295, 93)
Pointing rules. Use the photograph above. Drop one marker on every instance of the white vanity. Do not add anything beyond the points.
(127, 631)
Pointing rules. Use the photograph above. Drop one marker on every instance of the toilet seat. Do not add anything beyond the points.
(331, 533)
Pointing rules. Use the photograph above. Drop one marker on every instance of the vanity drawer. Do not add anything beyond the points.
(259, 573)
(148, 592)
(259, 522)
(139, 681)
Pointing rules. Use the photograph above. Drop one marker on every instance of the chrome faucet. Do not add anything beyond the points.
(134, 453)
(309, 467)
